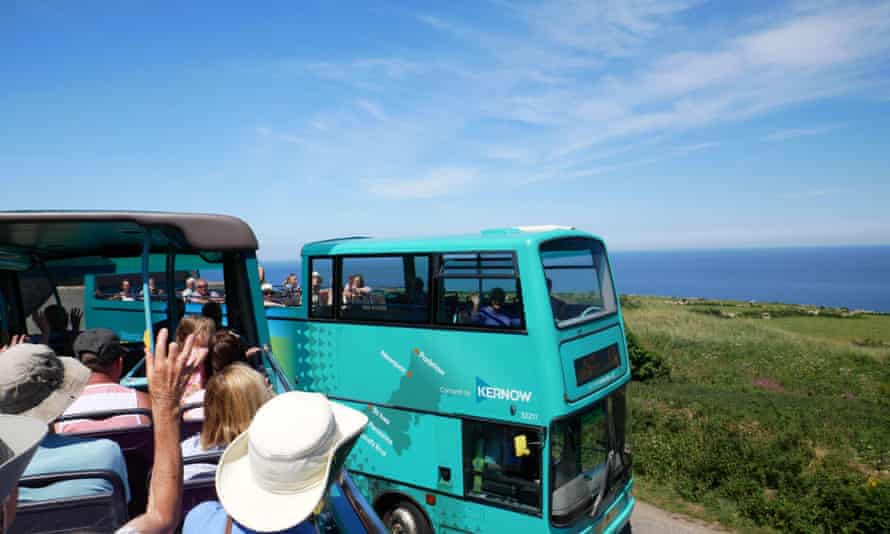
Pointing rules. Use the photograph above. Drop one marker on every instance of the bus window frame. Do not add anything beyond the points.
(338, 292)
(580, 321)
(433, 277)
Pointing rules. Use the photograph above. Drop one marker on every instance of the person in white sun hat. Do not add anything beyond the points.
(19, 437)
(274, 476)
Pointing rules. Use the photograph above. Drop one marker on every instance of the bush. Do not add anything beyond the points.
(644, 364)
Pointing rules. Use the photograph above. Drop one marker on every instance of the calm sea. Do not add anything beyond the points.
(853, 277)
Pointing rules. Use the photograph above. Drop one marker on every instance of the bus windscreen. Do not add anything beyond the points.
(578, 280)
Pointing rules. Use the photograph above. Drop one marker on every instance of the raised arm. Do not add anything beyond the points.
(168, 371)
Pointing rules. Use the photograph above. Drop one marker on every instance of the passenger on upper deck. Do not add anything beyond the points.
(273, 476)
(234, 394)
(100, 350)
(355, 289)
(125, 293)
(494, 314)
(203, 293)
(152, 290)
(189, 288)
(269, 297)
(36, 382)
(320, 296)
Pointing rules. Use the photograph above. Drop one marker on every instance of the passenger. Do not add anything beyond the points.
(234, 394)
(37, 383)
(226, 348)
(418, 296)
(493, 314)
(269, 297)
(557, 304)
(126, 293)
(189, 288)
(100, 350)
(355, 289)
(320, 296)
(273, 476)
(291, 284)
(202, 292)
(19, 437)
(213, 311)
(53, 324)
(168, 370)
(203, 330)
(152, 290)
(261, 273)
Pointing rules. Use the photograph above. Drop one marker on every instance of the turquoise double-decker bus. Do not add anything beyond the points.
(493, 369)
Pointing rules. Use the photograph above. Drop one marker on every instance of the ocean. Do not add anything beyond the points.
(856, 277)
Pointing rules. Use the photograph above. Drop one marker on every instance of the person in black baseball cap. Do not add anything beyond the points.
(100, 350)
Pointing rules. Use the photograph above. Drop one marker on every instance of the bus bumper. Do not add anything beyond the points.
(618, 514)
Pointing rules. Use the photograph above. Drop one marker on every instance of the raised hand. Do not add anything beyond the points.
(16, 340)
(75, 316)
(39, 318)
(169, 368)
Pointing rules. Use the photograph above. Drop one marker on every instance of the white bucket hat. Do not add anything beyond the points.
(272, 477)
(36, 382)
(19, 437)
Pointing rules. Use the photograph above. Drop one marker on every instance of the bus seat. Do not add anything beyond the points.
(137, 445)
(202, 488)
(91, 513)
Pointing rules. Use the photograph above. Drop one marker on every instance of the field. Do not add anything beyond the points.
(773, 417)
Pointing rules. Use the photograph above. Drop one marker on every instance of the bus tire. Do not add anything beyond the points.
(404, 517)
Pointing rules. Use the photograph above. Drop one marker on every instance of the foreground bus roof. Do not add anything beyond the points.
(65, 234)
(495, 239)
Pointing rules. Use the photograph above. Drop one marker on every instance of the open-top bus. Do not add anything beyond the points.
(492, 368)
(49, 257)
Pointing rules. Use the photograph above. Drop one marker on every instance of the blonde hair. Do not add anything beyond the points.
(194, 324)
(233, 396)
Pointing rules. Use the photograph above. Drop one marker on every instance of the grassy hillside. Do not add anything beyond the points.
(778, 423)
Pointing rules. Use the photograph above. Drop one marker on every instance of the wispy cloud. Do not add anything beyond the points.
(372, 108)
(279, 136)
(436, 183)
(696, 147)
(791, 133)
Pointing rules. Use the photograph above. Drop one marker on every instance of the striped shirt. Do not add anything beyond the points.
(100, 398)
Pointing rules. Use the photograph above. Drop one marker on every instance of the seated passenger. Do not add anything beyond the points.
(493, 314)
(203, 293)
(355, 290)
(125, 293)
(37, 383)
(152, 290)
(320, 296)
(100, 350)
(203, 329)
(226, 348)
(269, 297)
(234, 395)
(273, 476)
(189, 288)
(53, 324)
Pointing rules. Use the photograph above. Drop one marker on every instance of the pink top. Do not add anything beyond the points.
(100, 398)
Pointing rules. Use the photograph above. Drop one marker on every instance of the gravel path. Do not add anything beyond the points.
(647, 519)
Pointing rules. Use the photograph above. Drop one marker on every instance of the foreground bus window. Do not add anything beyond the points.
(493, 471)
(578, 279)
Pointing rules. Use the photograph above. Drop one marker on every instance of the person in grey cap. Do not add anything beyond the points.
(19, 436)
(37, 383)
(101, 351)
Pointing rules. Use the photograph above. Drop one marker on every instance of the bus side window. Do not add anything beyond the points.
(493, 471)
(321, 292)
(384, 288)
(479, 289)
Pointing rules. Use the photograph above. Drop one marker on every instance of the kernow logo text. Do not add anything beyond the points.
(486, 391)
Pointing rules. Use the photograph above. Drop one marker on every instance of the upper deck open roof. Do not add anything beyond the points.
(494, 239)
(65, 234)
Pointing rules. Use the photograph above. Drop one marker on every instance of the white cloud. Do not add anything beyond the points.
(372, 108)
(280, 136)
(436, 183)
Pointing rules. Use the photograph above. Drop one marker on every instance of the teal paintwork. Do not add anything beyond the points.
(417, 383)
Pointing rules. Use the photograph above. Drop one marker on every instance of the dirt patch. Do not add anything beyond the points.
(769, 384)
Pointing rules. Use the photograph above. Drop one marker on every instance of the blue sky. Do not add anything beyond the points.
(678, 124)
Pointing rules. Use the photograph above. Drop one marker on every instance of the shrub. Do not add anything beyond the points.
(644, 364)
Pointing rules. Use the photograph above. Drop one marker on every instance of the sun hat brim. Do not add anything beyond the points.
(75, 380)
(20, 435)
(266, 511)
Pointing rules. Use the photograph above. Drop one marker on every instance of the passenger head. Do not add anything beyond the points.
(213, 311)
(497, 297)
(201, 326)
(233, 396)
(227, 348)
(38, 383)
(291, 280)
(316, 279)
(57, 318)
(202, 287)
(357, 280)
(268, 290)
(261, 272)
(190, 283)
(125, 286)
(101, 351)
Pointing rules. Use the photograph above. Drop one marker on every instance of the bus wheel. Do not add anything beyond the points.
(405, 518)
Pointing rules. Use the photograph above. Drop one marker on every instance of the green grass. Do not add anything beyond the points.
(779, 424)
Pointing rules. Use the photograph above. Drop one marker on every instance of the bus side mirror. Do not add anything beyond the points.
(520, 446)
